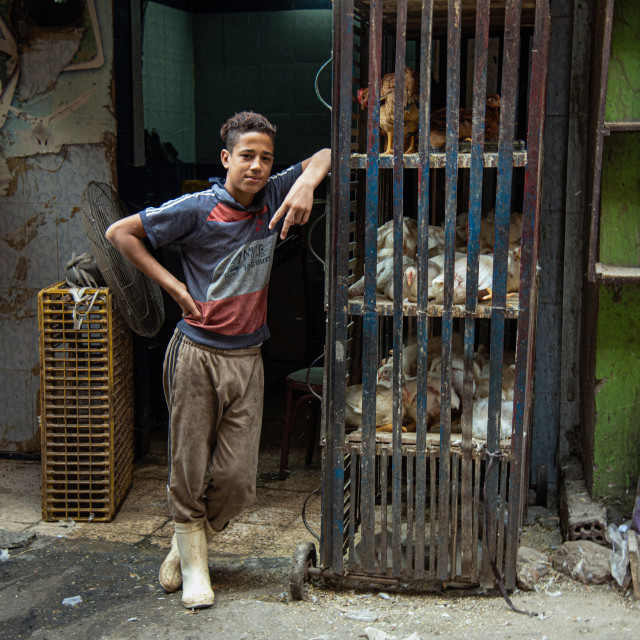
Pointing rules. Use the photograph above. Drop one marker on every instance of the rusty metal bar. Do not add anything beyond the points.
(384, 465)
(501, 514)
(409, 539)
(423, 283)
(398, 188)
(370, 317)
(433, 487)
(529, 258)
(473, 247)
(333, 530)
(501, 248)
(451, 187)
(455, 476)
(477, 465)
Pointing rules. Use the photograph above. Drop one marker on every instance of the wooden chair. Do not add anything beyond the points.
(296, 384)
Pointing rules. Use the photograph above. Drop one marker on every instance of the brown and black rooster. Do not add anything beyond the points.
(387, 107)
(438, 133)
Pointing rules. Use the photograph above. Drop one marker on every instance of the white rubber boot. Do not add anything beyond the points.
(196, 583)
(170, 572)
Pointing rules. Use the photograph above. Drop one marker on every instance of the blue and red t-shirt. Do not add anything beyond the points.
(227, 253)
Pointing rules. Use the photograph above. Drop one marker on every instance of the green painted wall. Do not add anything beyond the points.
(623, 87)
(620, 202)
(617, 434)
(616, 455)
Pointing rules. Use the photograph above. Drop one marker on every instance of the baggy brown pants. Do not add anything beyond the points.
(215, 400)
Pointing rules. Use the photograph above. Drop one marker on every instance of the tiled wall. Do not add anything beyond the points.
(168, 77)
(264, 61)
(40, 227)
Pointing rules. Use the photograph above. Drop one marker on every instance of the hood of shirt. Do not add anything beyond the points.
(257, 205)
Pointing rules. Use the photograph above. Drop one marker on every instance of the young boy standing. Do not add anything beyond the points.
(213, 373)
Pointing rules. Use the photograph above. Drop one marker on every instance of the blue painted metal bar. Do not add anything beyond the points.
(473, 247)
(501, 248)
(423, 282)
(370, 317)
(451, 194)
(398, 187)
(529, 258)
(338, 270)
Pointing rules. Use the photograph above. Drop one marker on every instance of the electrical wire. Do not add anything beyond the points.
(316, 83)
(304, 515)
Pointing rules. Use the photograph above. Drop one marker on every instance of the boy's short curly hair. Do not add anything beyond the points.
(243, 122)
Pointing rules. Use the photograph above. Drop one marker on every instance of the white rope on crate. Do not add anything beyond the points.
(83, 299)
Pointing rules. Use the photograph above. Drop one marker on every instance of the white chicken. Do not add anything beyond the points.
(485, 279)
(410, 400)
(384, 278)
(508, 379)
(481, 419)
(409, 238)
(384, 405)
(409, 283)
(457, 371)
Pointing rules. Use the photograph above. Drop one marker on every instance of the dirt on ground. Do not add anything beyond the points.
(117, 596)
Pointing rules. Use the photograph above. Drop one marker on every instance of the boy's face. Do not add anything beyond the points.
(248, 166)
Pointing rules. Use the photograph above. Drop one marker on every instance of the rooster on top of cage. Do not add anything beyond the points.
(387, 106)
(438, 118)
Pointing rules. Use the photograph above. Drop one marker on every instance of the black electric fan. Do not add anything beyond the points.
(138, 297)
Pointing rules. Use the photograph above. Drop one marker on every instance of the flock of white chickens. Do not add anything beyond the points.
(384, 270)
(384, 389)
(384, 285)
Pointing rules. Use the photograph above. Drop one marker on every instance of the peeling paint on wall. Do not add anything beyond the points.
(48, 98)
(57, 132)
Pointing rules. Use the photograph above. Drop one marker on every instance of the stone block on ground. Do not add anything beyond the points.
(584, 560)
(531, 565)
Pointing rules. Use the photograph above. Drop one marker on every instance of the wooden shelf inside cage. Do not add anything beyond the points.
(440, 14)
(384, 307)
(438, 157)
(433, 440)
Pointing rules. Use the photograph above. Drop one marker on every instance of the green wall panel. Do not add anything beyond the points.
(617, 431)
(623, 84)
(620, 202)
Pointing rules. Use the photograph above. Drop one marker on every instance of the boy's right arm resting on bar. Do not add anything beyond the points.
(126, 236)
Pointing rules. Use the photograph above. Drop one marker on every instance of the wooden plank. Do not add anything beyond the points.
(385, 307)
(608, 272)
(438, 158)
(467, 18)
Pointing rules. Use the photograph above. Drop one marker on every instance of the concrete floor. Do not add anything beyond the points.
(112, 567)
(271, 528)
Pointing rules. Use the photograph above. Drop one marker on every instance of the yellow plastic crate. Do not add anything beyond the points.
(86, 402)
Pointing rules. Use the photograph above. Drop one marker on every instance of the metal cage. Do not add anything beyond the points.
(408, 508)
